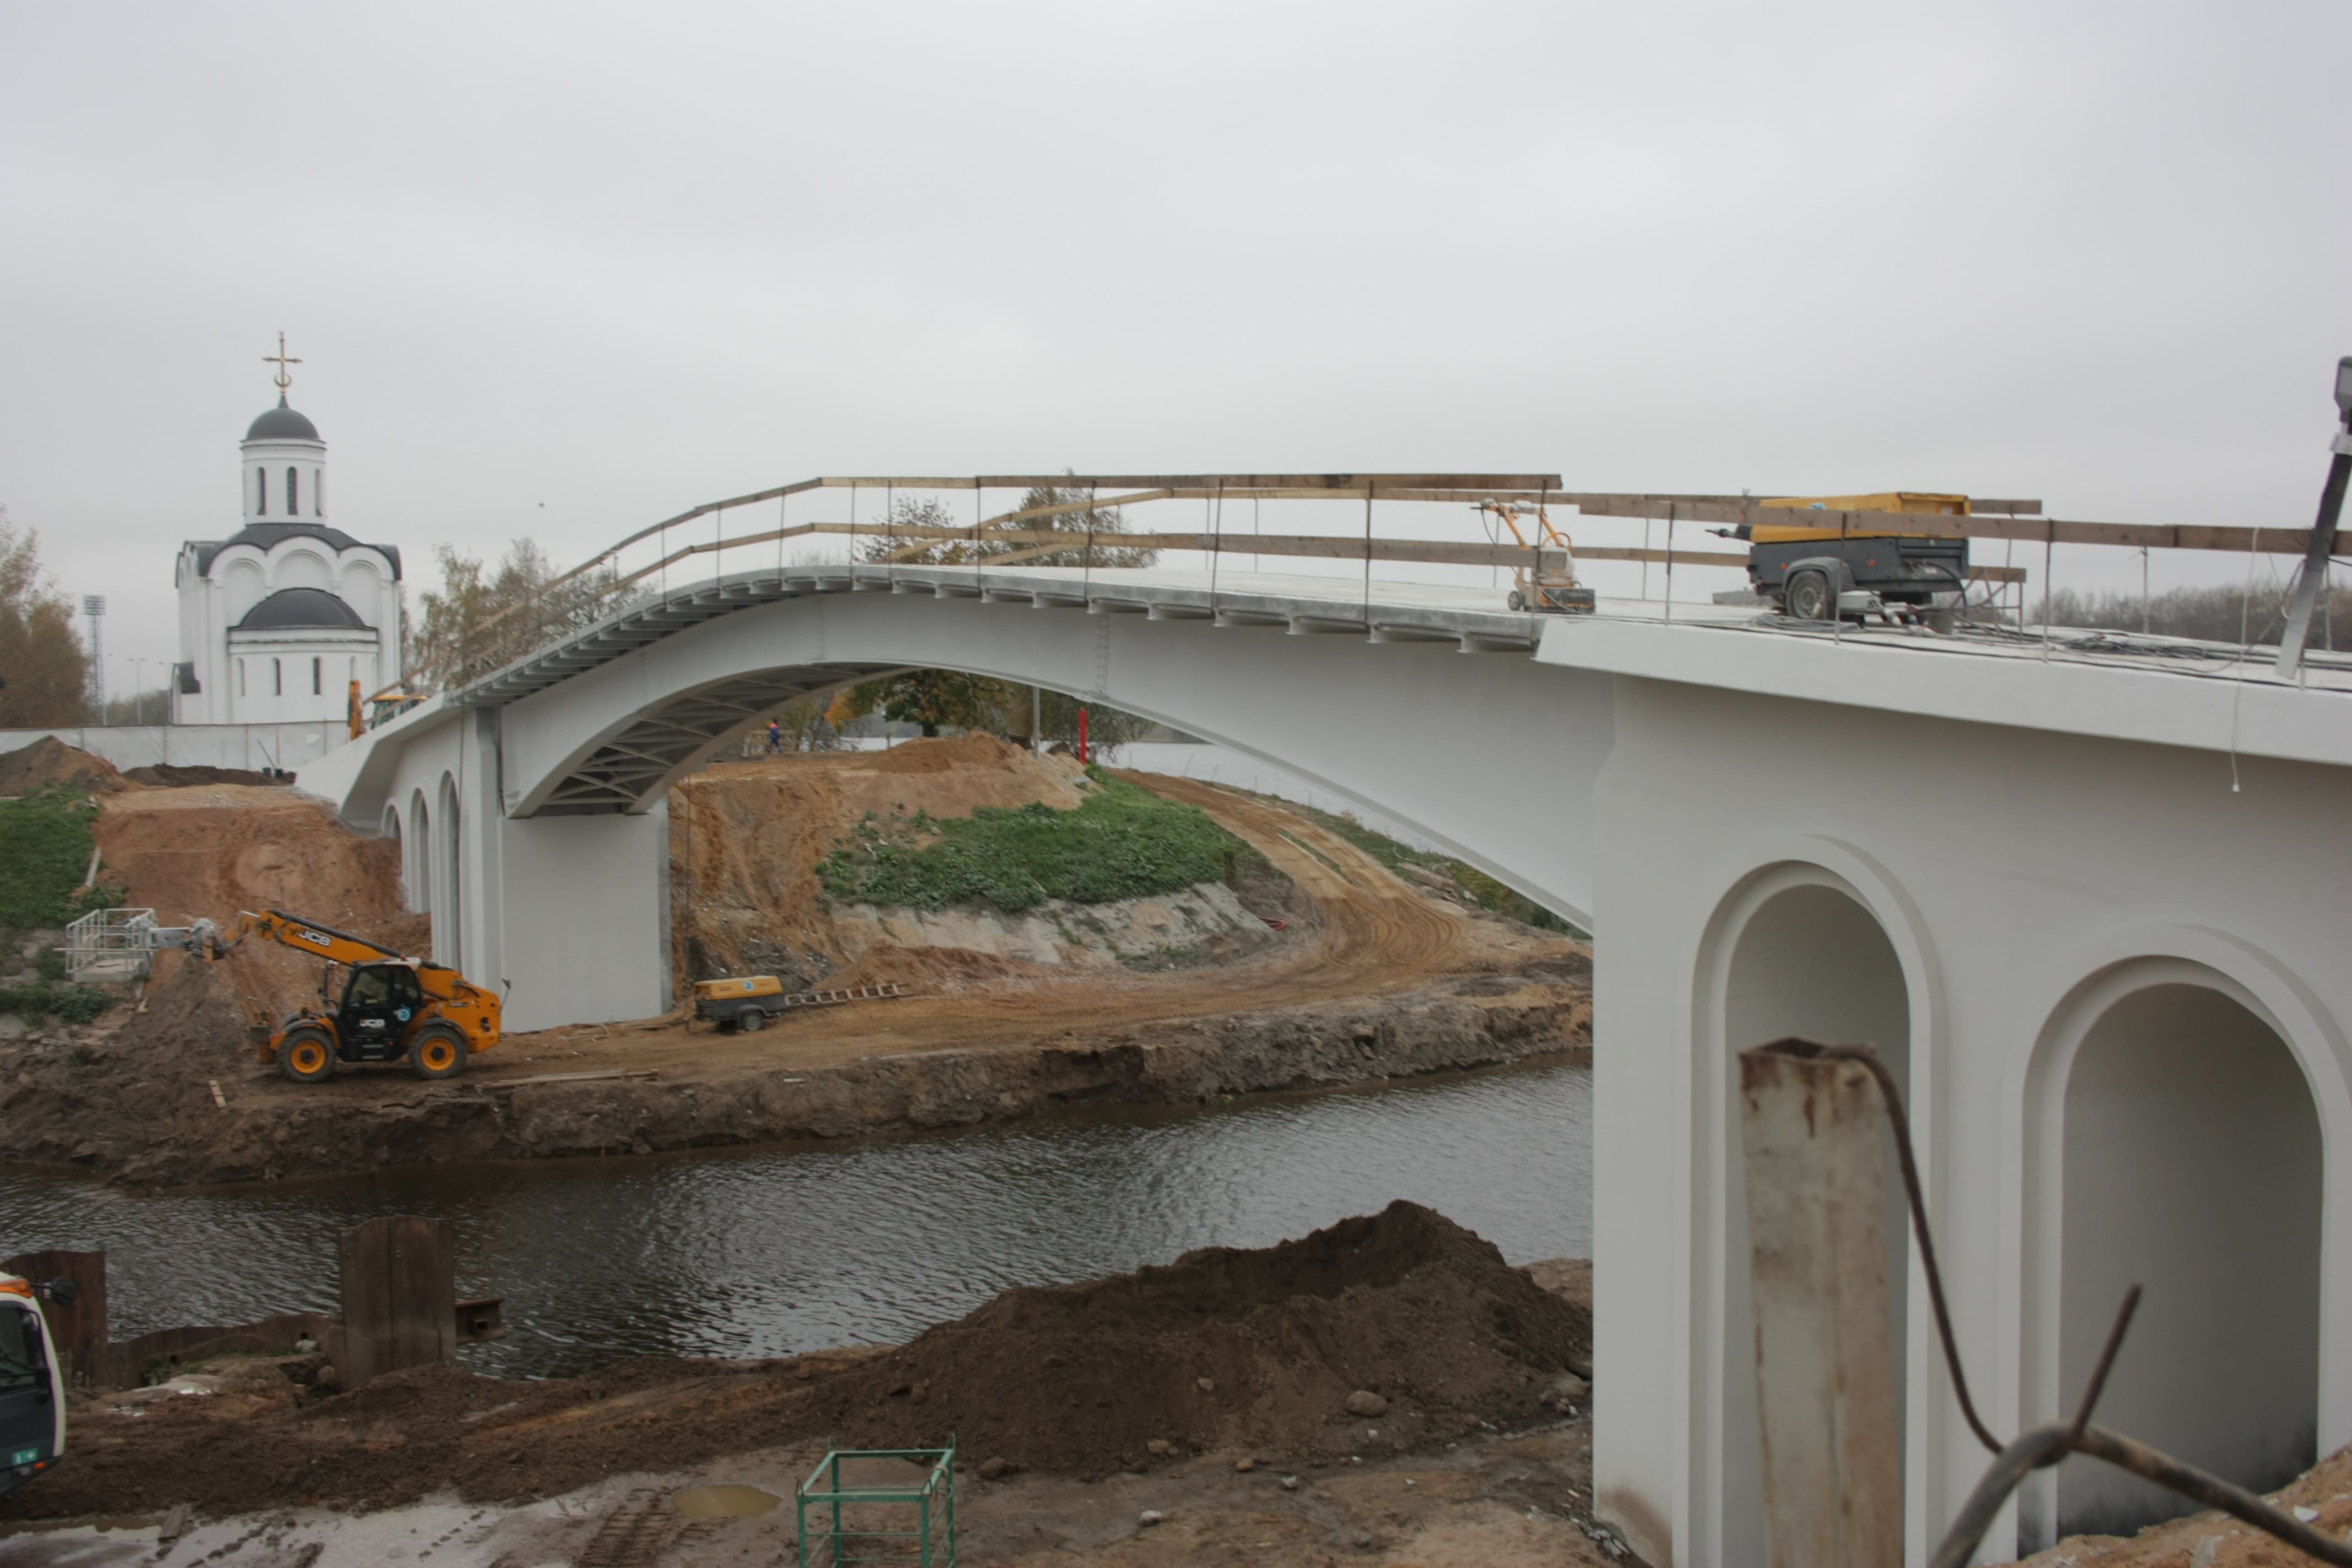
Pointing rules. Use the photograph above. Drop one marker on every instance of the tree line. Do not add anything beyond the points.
(44, 666)
(2245, 616)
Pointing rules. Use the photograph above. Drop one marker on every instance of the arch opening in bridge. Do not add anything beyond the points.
(448, 933)
(2190, 1161)
(1799, 953)
(417, 856)
(391, 830)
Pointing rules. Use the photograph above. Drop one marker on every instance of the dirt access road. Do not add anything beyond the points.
(1375, 936)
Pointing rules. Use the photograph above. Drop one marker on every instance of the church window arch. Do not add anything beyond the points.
(318, 492)
(293, 491)
(240, 678)
(261, 492)
(277, 678)
(317, 677)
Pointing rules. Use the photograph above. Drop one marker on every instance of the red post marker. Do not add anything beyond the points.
(1082, 735)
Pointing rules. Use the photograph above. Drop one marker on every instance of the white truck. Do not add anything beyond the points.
(32, 1387)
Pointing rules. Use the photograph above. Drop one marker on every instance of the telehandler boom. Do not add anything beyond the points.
(392, 1008)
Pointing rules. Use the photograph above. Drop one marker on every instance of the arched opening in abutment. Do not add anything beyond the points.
(417, 856)
(1809, 961)
(2193, 1165)
(448, 936)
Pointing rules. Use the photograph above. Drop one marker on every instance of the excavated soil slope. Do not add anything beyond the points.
(1222, 1348)
(746, 839)
(210, 852)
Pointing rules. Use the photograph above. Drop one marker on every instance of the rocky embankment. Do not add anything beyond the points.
(138, 1105)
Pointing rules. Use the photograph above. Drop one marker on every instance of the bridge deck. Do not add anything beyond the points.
(1476, 619)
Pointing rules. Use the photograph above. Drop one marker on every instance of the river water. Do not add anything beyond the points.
(776, 1251)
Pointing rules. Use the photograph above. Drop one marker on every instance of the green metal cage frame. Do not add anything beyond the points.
(933, 1530)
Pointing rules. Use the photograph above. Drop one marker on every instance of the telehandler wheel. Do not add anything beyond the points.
(749, 1021)
(307, 1054)
(1517, 600)
(438, 1051)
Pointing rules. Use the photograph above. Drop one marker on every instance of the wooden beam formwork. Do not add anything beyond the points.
(1812, 1131)
(400, 1297)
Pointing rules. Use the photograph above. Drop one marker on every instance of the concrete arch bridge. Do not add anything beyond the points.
(2090, 897)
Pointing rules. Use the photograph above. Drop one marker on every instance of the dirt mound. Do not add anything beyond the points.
(191, 854)
(1226, 1348)
(50, 761)
(170, 775)
(1221, 1350)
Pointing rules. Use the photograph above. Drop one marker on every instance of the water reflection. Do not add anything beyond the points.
(776, 1251)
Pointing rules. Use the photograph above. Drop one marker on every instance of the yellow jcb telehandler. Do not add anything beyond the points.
(391, 1009)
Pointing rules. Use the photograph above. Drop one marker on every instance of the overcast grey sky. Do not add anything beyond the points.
(565, 269)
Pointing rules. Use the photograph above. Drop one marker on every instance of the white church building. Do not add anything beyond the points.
(279, 618)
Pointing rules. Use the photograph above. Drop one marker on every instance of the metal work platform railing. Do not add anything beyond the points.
(905, 1514)
(110, 944)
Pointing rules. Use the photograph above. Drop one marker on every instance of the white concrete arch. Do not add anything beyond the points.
(1386, 723)
(1817, 939)
(2187, 1087)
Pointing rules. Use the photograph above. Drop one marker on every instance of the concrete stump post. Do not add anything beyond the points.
(1825, 1372)
(81, 1330)
(400, 1297)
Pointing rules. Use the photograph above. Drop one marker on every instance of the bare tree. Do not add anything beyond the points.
(479, 620)
(42, 662)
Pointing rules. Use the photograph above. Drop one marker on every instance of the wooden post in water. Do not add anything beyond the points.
(400, 1297)
(1825, 1372)
(80, 1330)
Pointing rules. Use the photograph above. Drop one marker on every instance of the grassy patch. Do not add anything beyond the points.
(1123, 842)
(1489, 893)
(74, 1003)
(45, 845)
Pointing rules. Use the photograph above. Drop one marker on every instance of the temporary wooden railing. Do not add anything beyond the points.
(511, 631)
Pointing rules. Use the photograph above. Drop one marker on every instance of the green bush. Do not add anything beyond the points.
(1122, 842)
(45, 845)
(74, 1003)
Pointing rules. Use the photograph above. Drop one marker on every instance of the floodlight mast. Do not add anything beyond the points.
(2323, 532)
(93, 606)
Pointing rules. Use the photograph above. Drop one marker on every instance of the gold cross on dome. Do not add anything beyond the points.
(281, 380)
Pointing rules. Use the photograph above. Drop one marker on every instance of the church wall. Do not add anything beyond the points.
(275, 686)
(297, 567)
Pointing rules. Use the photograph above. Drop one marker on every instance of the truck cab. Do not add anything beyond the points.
(379, 1004)
(32, 1391)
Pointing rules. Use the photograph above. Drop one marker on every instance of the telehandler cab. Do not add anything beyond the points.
(392, 1008)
